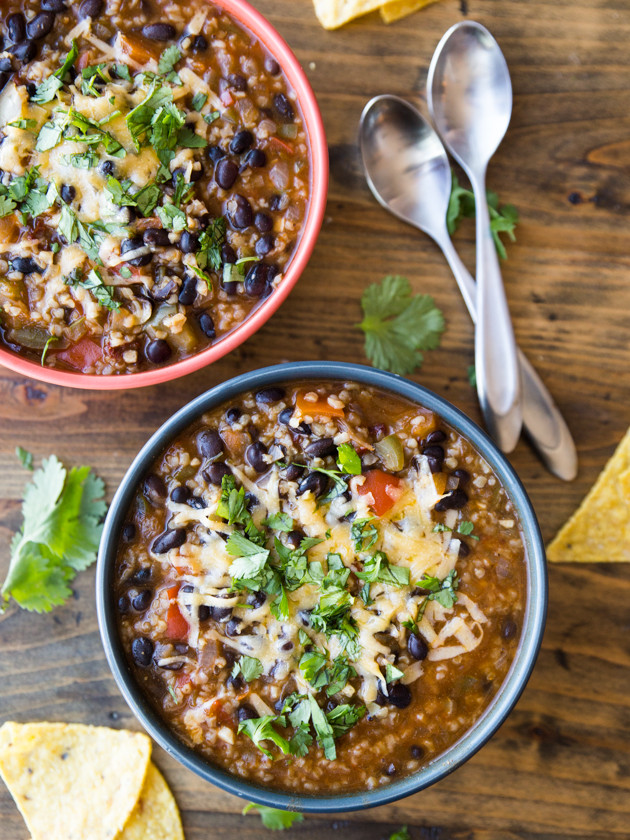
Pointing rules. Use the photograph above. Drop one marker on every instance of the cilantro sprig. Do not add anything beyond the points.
(59, 536)
(399, 326)
(461, 205)
(274, 818)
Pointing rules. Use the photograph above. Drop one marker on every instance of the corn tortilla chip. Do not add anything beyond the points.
(599, 530)
(398, 9)
(73, 782)
(334, 13)
(156, 816)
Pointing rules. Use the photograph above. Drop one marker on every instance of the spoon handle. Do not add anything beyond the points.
(498, 380)
(543, 422)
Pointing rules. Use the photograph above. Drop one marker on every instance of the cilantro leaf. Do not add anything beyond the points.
(47, 90)
(262, 729)
(399, 325)
(442, 591)
(59, 536)
(472, 376)
(342, 718)
(401, 834)
(169, 59)
(26, 457)
(210, 242)
(312, 662)
(301, 740)
(25, 125)
(393, 673)
(462, 205)
(93, 282)
(378, 568)
(199, 100)
(279, 522)
(363, 534)
(172, 217)
(274, 818)
(250, 668)
(348, 460)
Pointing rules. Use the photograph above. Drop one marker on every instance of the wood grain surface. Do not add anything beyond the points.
(560, 765)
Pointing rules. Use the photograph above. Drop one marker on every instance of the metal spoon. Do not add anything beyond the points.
(470, 101)
(409, 174)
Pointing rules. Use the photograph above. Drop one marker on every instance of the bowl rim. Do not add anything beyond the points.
(262, 30)
(505, 698)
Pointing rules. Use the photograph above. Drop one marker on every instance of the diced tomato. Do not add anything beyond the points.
(176, 624)
(227, 98)
(384, 488)
(182, 680)
(319, 408)
(172, 591)
(84, 60)
(83, 354)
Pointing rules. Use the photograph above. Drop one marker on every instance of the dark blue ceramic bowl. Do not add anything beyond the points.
(502, 703)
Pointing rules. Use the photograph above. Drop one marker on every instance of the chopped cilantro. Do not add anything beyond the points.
(262, 729)
(363, 534)
(94, 284)
(274, 818)
(442, 591)
(172, 217)
(312, 663)
(279, 522)
(199, 100)
(398, 326)
(210, 242)
(249, 667)
(472, 376)
(462, 205)
(167, 62)
(25, 125)
(59, 536)
(83, 160)
(183, 191)
(378, 568)
(401, 834)
(50, 340)
(211, 117)
(47, 90)
(26, 457)
(348, 460)
(122, 71)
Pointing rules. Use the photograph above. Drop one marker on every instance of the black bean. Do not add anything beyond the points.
(464, 549)
(399, 695)
(285, 416)
(390, 770)
(257, 280)
(16, 27)
(381, 699)
(233, 415)
(6, 65)
(417, 646)
(188, 243)
(128, 531)
(142, 651)
(162, 292)
(220, 613)
(316, 482)
(215, 153)
(263, 222)
(206, 325)
(142, 575)
(156, 238)
(255, 158)
(241, 213)
(508, 628)
(320, 448)
(209, 443)
(199, 44)
(188, 587)
(435, 457)
(462, 475)
(254, 456)
(271, 66)
(128, 245)
(225, 173)
(123, 604)
(274, 202)
(197, 502)
(188, 291)
(159, 31)
(231, 628)
(53, 5)
(437, 436)
(158, 351)
(293, 472)
(180, 494)
(203, 613)
(68, 193)
(283, 106)
(40, 25)
(237, 683)
(142, 600)
(25, 51)
(172, 666)
(228, 254)
(264, 245)
(455, 500)
(169, 540)
(26, 265)
(215, 473)
(245, 712)
(154, 489)
(4, 78)
(256, 599)
(268, 396)
(416, 751)
(241, 141)
(237, 81)
(106, 168)
(90, 8)
(294, 538)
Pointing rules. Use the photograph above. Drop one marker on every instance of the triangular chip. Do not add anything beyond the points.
(156, 816)
(334, 13)
(398, 9)
(599, 530)
(73, 782)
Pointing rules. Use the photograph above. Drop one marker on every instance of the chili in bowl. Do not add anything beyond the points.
(163, 175)
(321, 587)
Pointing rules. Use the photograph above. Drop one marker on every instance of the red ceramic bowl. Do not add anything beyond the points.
(267, 35)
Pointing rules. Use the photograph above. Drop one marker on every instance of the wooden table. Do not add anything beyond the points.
(560, 766)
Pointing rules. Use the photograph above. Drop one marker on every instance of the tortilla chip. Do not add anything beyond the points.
(398, 9)
(72, 781)
(599, 530)
(156, 816)
(334, 13)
